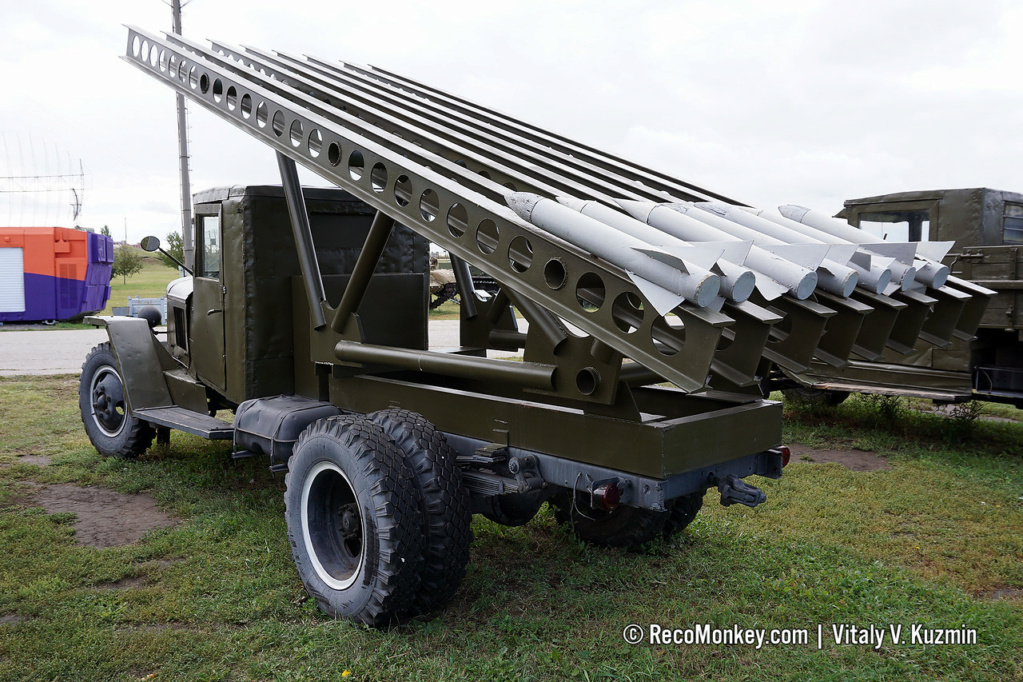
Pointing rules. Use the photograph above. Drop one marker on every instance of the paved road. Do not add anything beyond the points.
(48, 351)
(53, 351)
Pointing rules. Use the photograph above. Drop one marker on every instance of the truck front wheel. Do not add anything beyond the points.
(101, 402)
(352, 511)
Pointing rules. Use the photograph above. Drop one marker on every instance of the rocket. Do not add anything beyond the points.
(927, 268)
(785, 268)
(664, 278)
(834, 276)
(737, 282)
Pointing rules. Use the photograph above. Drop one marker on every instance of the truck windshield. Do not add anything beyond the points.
(898, 226)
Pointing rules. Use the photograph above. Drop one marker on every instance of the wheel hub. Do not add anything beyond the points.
(107, 398)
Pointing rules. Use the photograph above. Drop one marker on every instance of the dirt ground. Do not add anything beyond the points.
(854, 460)
(104, 518)
(37, 460)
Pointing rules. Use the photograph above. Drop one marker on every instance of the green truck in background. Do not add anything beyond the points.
(987, 228)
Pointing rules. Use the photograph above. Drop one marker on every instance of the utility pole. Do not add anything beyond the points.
(186, 190)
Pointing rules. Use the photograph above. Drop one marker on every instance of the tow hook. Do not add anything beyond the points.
(734, 490)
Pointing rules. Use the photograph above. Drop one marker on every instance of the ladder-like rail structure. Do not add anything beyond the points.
(449, 169)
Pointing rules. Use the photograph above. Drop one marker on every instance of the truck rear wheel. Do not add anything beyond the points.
(446, 293)
(622, 527)
(352, 511)
(104, 410)
(445, 504)
(815, 396)
(683, 511)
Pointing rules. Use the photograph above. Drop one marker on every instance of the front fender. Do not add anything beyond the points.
(141, 361)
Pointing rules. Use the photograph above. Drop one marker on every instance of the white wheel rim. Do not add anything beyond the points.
(332, 581)
(98, 381)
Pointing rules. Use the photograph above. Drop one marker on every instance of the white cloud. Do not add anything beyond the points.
(805, 100)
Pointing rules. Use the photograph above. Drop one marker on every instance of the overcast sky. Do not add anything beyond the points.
(805, 101)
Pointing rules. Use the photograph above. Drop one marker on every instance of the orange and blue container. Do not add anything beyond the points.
(53, 273)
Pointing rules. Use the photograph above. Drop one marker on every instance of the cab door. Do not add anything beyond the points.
(207, 342)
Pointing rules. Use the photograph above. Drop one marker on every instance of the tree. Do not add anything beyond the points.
(105, 231)
(127, 262)
(175, 246)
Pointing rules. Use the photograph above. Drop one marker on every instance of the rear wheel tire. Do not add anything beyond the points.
(104, 409)
(445, 505)
(623, 527)
(683, 511)
(353, 519)
(446, 293)
(815, 396)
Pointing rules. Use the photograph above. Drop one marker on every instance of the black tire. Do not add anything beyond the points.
(683, 510)
(815, 396)
(511, 510)
(624, 527)
(445, 504)
(447, 293)
(101, 403)
(353, 519)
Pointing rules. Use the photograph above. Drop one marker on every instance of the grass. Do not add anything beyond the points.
(151, 282)
(217, 597)
(448, 310)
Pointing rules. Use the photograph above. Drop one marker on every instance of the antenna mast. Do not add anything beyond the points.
(186, 191)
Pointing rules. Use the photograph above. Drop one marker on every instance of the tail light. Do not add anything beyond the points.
(607, 496)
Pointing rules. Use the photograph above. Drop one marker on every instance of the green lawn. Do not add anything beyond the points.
(150, 283)
(932, 541)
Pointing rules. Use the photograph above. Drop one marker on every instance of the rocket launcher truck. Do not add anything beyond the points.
(645, 309)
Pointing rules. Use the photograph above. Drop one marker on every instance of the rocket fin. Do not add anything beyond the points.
(769, 288)
(660, 298)
(704, 254)
(664, 257)
(934, 250)
(735, 252)
(861, 259)
(807, 255)
(842, 253)
(904, 252)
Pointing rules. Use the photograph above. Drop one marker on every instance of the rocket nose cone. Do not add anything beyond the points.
(640, 210)
(522, 203)
(793, 212)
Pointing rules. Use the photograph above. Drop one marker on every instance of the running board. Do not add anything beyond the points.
(179, 418)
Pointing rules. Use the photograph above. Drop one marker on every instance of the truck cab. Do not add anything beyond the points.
(986, 226)
(233, 325)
